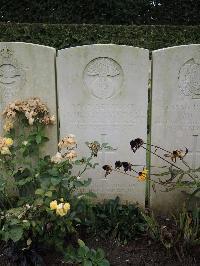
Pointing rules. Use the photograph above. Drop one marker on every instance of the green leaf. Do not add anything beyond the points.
(39, 191)
(100, 254)
(14, 221)
(87, 182)
(87, 263)
(53, 172)
(38, 139)
(55, 181)
(104, 262)
(39, 201)
(16, 233)
(48, 194)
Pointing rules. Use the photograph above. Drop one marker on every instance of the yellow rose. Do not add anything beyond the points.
(53, 205)
(66, 207)
(60, 210)
(5, 151)
(8, 142)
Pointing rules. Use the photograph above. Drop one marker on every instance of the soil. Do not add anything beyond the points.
(140, 252)
(144, 252)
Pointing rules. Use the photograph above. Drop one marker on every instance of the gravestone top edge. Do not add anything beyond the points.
(60, 51)
(28, 44)
(154, 52)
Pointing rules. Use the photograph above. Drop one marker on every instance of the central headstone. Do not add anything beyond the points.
(102, 94)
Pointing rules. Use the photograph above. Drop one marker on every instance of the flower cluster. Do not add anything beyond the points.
(67, 144)
(125, 165)
(33, 109)
(61, 208)
(142, 176)
(5, 144)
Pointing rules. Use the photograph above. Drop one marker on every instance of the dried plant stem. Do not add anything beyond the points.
(172, 164)
(158, 147)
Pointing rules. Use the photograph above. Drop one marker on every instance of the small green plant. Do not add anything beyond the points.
(180, 233)
(85, 256)
(188, 224)
(120, 221)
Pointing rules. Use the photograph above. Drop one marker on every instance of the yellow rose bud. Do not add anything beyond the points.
(53, 205)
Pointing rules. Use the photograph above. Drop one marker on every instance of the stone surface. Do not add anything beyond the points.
(102, 95)
(28, 70)
(176, 109)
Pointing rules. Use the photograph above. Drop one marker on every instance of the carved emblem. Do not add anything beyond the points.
(189, 79)
(103, 77)
(12, 76)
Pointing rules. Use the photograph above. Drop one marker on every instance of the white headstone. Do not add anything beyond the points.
(102, 94)
(28, 70)
(176, 109)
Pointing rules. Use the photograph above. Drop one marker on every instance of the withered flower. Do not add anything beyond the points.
(177, 154)
(127, 166)
(136, 144)
(108, 169)
(94, 147)
(118, 165)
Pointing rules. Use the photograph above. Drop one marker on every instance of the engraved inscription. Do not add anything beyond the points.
(103, 77)
(12, 76)
(105, 115)
(189, 79)
(181, 116)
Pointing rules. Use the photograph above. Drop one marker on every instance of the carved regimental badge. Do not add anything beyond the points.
(189, 79)
(103, 77)
(12, 76)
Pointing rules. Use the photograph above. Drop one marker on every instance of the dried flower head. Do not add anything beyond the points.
(57, 158)
(126, 166)
(136, 144)
(33, 109)
(108, 169)
(71, 155)
(68, 142)
(118, 164)
(94, 147)
(177, 154)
